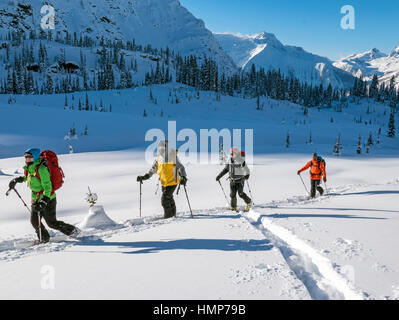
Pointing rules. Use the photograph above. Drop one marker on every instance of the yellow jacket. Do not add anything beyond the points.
(168, 167)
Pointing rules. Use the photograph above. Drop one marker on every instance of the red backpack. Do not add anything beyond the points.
(50, 160)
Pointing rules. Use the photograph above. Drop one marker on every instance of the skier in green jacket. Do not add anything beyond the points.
(44, 201)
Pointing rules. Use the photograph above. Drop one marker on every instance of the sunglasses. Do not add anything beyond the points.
(29, 156)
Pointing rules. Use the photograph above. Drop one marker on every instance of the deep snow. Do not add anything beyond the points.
(341, 246)
(277, 251)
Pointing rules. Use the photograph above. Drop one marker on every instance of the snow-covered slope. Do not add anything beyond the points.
(372, 62)
(125, 126)
(288, 247)
(265, 50)
(341, 246)
(160, 23)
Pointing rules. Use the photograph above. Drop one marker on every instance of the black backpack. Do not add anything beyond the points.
(320, 159)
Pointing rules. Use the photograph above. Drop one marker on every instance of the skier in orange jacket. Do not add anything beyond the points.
(317, 171)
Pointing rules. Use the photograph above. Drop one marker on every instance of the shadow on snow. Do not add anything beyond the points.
(341, 216)
(186, 244)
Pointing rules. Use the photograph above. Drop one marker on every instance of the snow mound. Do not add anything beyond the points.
(97, 219)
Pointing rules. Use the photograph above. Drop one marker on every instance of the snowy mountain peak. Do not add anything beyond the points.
(160, 23)
(262, 35)
(265, 50)
(267, 38)
(372, 62)
(375, 53)
(395, 52)
(365, 56)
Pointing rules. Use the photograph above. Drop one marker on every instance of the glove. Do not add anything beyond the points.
(299, 172)
(218, 178)
(42, 203)
(246, 177)
(183, 181)
(142, 178)
(325, 179)
(13, 182)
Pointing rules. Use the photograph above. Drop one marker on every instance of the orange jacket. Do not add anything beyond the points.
(316, 169)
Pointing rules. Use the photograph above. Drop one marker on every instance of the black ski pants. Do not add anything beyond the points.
(315, 184)
(49, 215)
(238, 186)
(168, 203)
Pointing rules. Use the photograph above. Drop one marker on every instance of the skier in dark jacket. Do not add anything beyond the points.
(238, 173)
(44, 201)
(171, 172)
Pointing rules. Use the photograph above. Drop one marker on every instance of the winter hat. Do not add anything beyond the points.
(34, 152)
(163, 144)
(237, 152)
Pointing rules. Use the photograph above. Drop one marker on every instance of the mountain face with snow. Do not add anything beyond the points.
(372, 62)
(265, 50)
(160, 23)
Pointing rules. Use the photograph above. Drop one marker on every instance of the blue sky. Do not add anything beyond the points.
(314, 25)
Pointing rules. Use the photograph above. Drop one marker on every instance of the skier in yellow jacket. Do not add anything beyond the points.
(171, 172)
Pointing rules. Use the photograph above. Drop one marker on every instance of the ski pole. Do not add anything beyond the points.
(140, 196)
(39, 217)
(19, 196)
(250, 192)
(188, 201)
(227, 201)
(326, 187)
(304, 185)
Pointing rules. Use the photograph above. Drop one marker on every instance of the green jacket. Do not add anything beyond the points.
(39, 187)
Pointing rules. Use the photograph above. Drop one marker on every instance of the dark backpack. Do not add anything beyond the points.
(320, 159)
(50, 160)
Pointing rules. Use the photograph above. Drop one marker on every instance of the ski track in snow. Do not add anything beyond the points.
(315, 271)
(318, 274)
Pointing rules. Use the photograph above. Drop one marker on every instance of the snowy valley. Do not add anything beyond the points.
(234, 256)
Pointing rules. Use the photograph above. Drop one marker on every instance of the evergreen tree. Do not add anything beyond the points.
(287, 141)
(122, 64)
(87, 105)
(49, 84)
(338, 146)
(370, 141)
(9, 86)
(391, 125)
(373, 91)
(359, 145)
